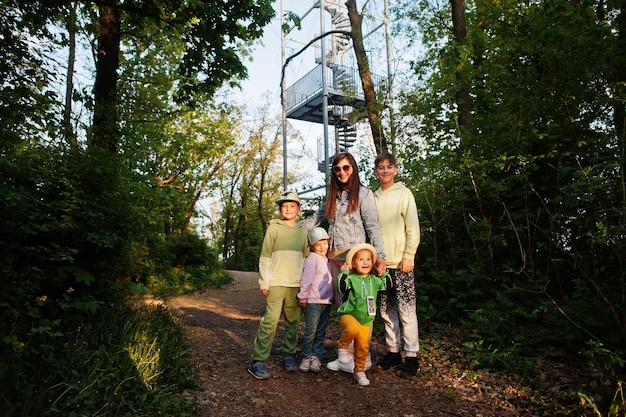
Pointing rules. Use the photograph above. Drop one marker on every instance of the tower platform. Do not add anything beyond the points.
(304, 98)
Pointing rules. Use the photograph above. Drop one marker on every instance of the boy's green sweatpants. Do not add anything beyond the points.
(279, 299)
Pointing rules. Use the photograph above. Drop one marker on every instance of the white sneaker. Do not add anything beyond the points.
(347, 367)
(338, 366)
(361, 379)
(305, 365)
(344, 356)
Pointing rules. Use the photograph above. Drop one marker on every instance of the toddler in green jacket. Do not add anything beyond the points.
(359, 289)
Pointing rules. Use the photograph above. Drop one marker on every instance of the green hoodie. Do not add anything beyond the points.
(282, 255)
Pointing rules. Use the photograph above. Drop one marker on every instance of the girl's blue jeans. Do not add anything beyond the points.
(315, 321)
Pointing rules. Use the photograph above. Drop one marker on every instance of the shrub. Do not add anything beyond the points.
(118, 362)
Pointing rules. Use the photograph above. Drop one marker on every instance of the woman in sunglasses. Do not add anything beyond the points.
(351, 213)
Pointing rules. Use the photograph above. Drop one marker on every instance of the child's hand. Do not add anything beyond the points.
(265, 292)
(302, 303)
(345, 267)
(381, 266)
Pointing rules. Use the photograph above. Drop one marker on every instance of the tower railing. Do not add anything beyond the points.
(342, 81)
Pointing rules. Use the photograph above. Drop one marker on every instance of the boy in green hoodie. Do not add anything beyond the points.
(280, 267)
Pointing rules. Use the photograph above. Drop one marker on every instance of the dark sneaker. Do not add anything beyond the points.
(290, 364)
(410, 367)
(390, 361)
(258, 370)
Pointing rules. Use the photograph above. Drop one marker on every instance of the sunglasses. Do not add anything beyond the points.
(346, 168)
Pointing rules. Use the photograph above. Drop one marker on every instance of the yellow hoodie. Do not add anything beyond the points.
(282, 255)
(397, 215)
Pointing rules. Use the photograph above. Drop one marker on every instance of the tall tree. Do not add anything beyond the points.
(71, 28)
(214, 35)
(372, 106)
(539, 140)
(105, 129)
(252, 179)
(459, 30)
(73, 218)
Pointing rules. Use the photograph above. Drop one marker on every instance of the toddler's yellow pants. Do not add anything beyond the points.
(353, 330)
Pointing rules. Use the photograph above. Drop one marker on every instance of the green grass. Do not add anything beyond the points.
(117, 362)
(189, 279)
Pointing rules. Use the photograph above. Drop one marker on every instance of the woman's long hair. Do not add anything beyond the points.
(335, 187)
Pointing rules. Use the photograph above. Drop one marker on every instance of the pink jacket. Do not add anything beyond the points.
(316, 286)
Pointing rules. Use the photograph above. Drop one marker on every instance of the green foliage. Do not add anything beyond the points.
(604, 360)
(217, 41)
(119, 361)
(82, 225)
(522, 208)
(609, 394)
(178, 264)
(290, 18)
(248, 193)
(187, 280)
(522, 205)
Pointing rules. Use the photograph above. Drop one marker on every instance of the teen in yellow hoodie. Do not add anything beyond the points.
(397, 215)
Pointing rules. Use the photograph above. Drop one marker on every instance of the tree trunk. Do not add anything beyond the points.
(70, 136)
(372, 107)
(229, 221)
(459, 31)
(209, 174)
(619, 114)
(105, 132)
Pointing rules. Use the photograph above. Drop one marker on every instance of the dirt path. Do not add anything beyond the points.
(222, 324)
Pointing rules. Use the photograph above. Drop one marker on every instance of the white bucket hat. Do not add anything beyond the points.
(317, 234)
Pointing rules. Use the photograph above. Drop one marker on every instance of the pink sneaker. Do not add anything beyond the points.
(361, 378)
(344, 355)
(316, 365)
(305, 365)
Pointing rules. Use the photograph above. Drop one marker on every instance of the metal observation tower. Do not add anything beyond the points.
(331, 92)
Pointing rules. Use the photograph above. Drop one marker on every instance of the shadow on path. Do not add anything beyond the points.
(221, 325)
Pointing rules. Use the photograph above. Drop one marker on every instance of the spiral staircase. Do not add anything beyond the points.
(303, 99)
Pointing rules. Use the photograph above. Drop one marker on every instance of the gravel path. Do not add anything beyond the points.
(221, 324)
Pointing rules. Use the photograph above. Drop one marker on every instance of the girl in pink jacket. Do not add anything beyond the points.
(315, 297)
